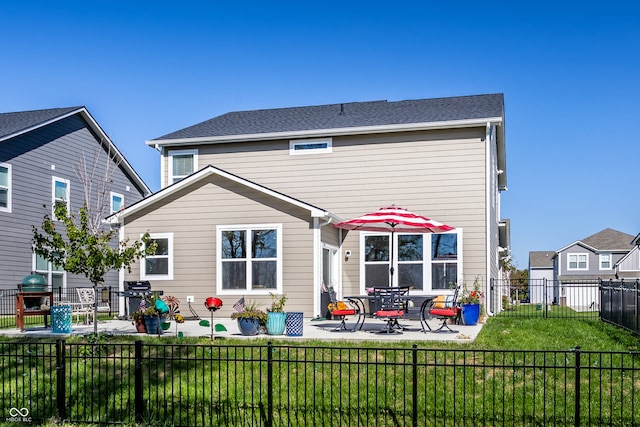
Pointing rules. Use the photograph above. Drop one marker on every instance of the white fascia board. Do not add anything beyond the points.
(314, 133)
(210, 170)
(579, 243)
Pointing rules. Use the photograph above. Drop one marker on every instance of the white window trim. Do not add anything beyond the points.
(172, 153)
(55, 179)
(248, 291)
(9, 188)
(295, 142)
(610, 259)
(426, 262)
(577, 254)
(49, 272)
(111, 200)
(143, 265)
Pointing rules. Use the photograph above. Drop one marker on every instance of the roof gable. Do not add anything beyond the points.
(18, 123)
(607, 240)
(314, 211)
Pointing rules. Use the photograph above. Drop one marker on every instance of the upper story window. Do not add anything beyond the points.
(605, 261)
(117, 202)
(60, 192)
(249, 258)
(182, 163)
(310, 146)
(577, 262)
(5, 187)
(159, 266)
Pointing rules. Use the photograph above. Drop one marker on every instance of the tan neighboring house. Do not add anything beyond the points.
(249, 200)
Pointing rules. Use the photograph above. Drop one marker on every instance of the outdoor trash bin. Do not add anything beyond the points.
(61, 319)
(294, 323)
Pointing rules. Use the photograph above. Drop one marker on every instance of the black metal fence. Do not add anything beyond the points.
(621, 303)
(67, 295)
(547, 298)
(268, 385)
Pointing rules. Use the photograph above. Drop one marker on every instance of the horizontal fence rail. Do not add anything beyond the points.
(268, 385)
(621, 303)
(545, 298)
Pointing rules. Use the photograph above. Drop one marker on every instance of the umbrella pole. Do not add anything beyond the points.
(391, 260)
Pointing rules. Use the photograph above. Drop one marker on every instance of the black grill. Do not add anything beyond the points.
(134, 292)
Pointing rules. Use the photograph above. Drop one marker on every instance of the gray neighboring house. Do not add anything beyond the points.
(39, 155)
(579, 266)
(541, 275)
(628, 267)
(249, 199)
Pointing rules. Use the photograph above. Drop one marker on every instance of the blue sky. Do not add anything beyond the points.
(569, 72)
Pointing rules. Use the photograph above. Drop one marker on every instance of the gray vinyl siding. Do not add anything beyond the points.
(192, 216)
(36, 157)
(440, 174)
(593, 263)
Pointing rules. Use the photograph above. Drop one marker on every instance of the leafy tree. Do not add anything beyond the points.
(73, 244)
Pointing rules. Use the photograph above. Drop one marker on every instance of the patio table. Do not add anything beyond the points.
(368, 309)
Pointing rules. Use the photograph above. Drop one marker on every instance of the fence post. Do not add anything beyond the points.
(577, 387)
(138, 396)
(414, 389)
(60, 379)
(269, 420)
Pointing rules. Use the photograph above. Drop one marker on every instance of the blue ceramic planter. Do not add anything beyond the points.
(152, 323)
(276, 323)
(248, 326)
(470, 314)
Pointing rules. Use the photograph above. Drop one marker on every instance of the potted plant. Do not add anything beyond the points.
(137, 320)
(470, 304)
(153, 309)
(276, 317)
(250, 319)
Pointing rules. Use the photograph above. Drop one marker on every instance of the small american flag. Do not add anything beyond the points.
(239, 305)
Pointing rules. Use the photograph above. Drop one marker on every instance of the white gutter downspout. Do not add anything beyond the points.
(317, 264)
(488, 173)
(121, 277)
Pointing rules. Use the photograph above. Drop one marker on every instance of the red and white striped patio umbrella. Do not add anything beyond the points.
(394, 219)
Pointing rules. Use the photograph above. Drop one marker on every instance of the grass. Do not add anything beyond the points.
(299, 379)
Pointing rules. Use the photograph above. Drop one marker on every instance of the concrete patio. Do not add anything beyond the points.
(313, 329)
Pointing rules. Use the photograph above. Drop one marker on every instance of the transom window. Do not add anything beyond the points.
(160, 265)
(577, 262)
(182, 163)
(117, 202)
(54, 274)
(310, 146)
(5, 187)
(425, 261)
(60, 193)
(249, 259)
(605, 261)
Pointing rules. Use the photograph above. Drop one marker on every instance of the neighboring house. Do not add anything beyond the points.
(628, 267)
(586, 261)
(39, 156)
(249, 199)
(541, 275)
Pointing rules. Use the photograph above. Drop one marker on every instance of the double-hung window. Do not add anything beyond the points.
(249, 258)
(605, 261)
(577, 262)
(54, 274)
(182, 163)
(159, 266)
(427, 262)
(60, 193)
(5, 187)
(117, 202)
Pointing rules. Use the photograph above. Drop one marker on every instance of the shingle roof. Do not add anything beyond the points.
(347, 115)
(11, 123)
(541, 259)
(609, 239)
